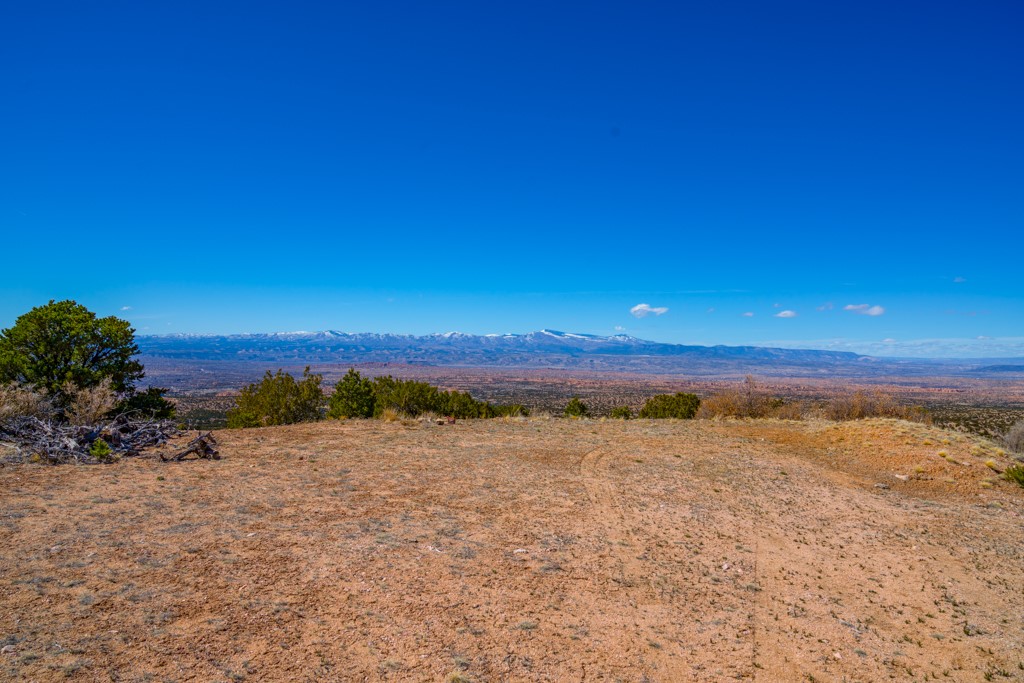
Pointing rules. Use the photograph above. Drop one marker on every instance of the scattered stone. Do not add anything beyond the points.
(881, 486)
(902, 477)
(7, 650)
(972, 630)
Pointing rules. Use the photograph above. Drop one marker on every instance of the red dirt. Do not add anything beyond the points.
(532, 550)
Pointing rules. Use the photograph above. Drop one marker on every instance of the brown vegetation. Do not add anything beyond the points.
(90, 405)
(23, 401)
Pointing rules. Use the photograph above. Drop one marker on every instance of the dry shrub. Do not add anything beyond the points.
(23, 401)
(390, 415)
(1014, 438)
(860, 405)
(723, 404)
(749, 401)
(90, 405)
(789, 411)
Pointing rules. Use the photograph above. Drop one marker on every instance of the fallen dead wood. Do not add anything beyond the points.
(202, 446)
(52, 441)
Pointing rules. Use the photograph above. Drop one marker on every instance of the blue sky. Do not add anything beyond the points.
(493, 167)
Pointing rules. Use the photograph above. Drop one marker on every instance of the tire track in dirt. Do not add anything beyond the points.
(633, 578)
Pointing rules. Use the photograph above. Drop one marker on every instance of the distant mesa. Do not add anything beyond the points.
(1000, 368)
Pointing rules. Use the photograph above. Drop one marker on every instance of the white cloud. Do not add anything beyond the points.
(748, 314)
(827, 306)
(644, 310)
(620, 328)
(865, 309)
(126, 308)
(959, 280)
(786, 314)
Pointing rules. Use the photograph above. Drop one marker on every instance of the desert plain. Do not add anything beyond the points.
(522, 550)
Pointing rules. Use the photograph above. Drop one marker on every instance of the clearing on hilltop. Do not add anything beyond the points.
(523, 549)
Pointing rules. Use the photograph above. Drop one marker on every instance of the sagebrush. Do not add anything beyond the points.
(1014, 438)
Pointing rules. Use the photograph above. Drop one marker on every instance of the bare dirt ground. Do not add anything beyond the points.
(532, 550)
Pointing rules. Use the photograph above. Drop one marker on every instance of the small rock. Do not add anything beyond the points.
(972, 630)
(519, 550)
(7, 650)
(881, 486)
(725, 567)
(902, 477)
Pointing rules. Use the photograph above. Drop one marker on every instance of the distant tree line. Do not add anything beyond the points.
(677, 406)
(281, 399)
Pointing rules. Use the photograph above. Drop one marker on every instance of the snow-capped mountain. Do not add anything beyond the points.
(543, 348)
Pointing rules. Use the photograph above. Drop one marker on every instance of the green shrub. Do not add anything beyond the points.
(576, 408)
(149, 403)
(353, 397)
(1015, 473)
(680, 406)
(622, 413)
(511, 410)
(278, 399)
(407, 397)
(101, 450)
(414, 398)
(62, 349)
(63, 344)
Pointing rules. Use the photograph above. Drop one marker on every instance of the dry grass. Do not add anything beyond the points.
(862, 405)
(90, 405)
(520, 550)
(1014, 438)
(22, 401)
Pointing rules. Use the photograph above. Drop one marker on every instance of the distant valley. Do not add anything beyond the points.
(545, 349)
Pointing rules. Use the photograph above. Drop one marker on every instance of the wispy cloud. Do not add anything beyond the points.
(126, 308)
(865, 309)
(748, 314)
(620, 328)
(786, 314)
(827, 306)
(644, 310)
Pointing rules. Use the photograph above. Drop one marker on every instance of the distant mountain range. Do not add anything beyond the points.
(542, 349)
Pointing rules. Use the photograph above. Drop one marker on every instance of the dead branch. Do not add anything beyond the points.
(52, 441)
(202, 446)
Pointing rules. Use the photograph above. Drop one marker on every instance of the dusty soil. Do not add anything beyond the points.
(533, 550)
